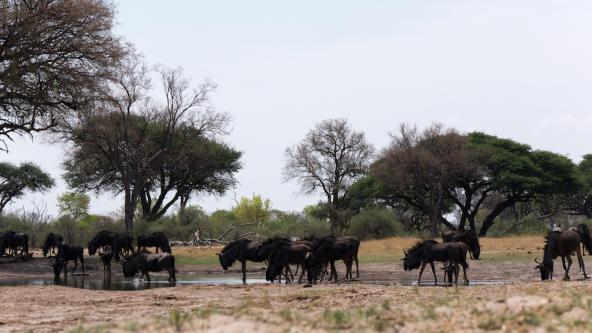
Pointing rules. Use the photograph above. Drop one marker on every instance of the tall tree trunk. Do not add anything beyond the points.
(129, 210)
(490, 218)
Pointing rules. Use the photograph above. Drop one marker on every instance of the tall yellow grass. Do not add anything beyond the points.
(383, 249)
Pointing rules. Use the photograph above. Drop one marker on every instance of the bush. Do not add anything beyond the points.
(375, 223)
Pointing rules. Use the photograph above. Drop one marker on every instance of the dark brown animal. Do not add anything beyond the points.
(242, 250)
(468, 237)
(282, 256)
(562, 244)
(144, 262)
(430, 251)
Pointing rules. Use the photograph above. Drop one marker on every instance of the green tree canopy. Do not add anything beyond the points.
(15, 180)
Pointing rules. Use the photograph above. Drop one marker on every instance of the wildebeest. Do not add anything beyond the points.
(106, 255)
(563, 244)
(117, 242)
(328, 250)
(285, 254)
(124, 243)
(52, 243)
(13, 241)
(468, 237)
(145, 262)
(65, 254)
(241, 250)
(426, 252)
(155, 239)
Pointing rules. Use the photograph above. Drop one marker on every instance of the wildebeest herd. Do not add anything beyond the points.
(313, 256)
(109, 245)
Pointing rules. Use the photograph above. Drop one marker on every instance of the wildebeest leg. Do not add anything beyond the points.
(434, 271)
(423, 264)
(569, 261)
(357, 269)
(581, 262)
(333, 271)
(147, 276)
(82, 263)
(243, 267)
(75, 265)
(301, 274)
(563, 263)
(456, 270)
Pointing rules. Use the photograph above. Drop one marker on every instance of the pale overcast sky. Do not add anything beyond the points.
(516, 69)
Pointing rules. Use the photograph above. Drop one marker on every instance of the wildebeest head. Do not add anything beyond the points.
(545, 273)
(413, 258)
(58, 265)
(129, 269)
(225, 261)
(92, 248)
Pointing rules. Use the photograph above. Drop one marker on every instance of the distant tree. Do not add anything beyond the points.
(581, 202)
(15, 180)
(419, 169)
(330, 159)
(73, 205)
(194, 164)
(252, 210)
(121, 142)
(55, 54)
(517, 174)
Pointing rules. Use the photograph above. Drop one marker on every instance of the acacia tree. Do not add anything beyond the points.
(581, 202)
(112, 141)
(331, 157)
(419, 168)
(514, 173)
(15, 180)
(54, 56)
(194, 164)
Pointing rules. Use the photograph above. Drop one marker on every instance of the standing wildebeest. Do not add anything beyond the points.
(155, 239)
(241, 250)
(65, 254)
(145, 262)
(426, 252)
(52, 242)
(328, 250)
(121, 244)
(124, 243)
(468, 237)
(563, 243)
(13, 241)
(285, 254)
(106, 255)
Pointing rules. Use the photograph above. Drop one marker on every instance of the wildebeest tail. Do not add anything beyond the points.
(584, 232)
(463, 255)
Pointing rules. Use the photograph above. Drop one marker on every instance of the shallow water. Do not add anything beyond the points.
(119, 283)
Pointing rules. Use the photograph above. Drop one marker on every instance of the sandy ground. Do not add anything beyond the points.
(504, 296)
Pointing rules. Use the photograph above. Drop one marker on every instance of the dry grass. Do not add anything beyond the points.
(383, 249)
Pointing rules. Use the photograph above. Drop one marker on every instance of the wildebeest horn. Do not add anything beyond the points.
(536, 260)
(217, 253)
(405, 252)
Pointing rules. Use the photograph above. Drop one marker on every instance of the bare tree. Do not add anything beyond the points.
(330, 158)
(114, 143)
(54, 57)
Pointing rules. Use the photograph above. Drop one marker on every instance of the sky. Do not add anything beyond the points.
(515, 69)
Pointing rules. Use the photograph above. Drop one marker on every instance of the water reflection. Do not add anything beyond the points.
(121, 283)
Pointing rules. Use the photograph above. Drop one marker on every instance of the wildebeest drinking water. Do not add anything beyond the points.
(144, 262)
(155, 239)
(241, 250)
(65, 254)
(52, 243)
(13, 241)
(468, 237)
(564, 244)
(426, 252)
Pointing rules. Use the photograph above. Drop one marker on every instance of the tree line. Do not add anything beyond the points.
(437, 178)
